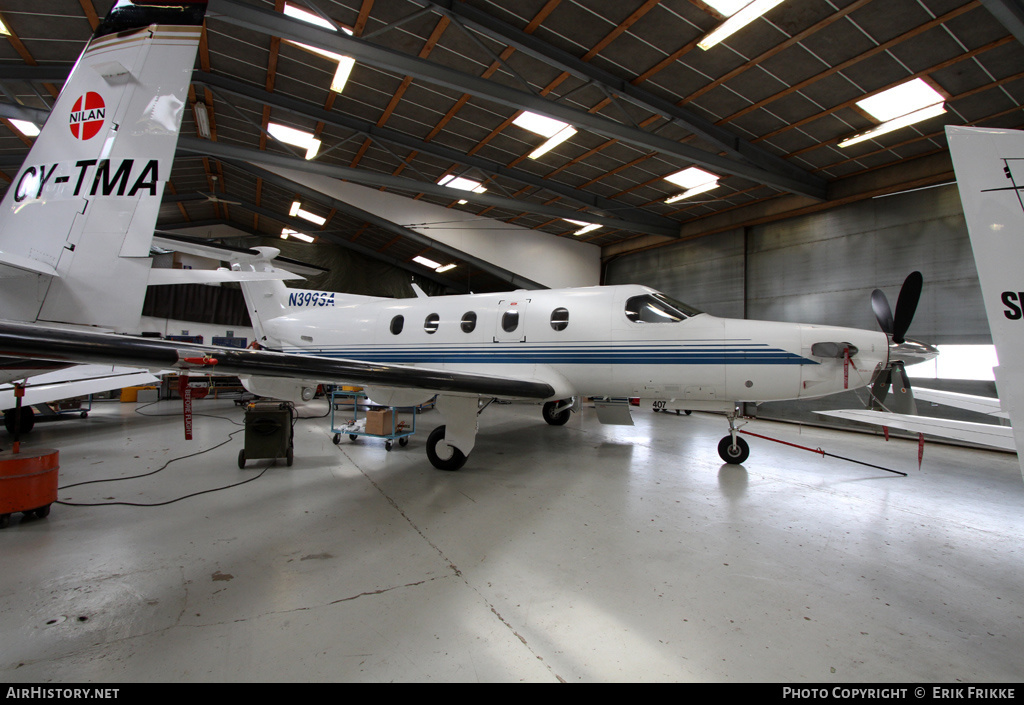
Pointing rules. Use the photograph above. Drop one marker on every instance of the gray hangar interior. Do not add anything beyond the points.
(581, 553)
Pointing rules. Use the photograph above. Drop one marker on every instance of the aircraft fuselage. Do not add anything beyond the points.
(610, 341)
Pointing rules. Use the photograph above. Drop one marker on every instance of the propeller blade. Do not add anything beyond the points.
(883, 314)
(879, 389)
(906, 305)
(903, 395)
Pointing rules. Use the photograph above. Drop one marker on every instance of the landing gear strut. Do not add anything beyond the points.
(733, 449)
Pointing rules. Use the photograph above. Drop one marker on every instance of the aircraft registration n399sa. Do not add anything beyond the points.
(82, 211)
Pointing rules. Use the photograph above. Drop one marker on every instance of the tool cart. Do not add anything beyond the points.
(378, 422)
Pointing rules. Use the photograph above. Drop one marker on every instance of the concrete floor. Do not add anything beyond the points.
(582, 553)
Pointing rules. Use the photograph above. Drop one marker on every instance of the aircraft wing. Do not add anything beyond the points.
(76, 346)
(970, 402)
(981, 433)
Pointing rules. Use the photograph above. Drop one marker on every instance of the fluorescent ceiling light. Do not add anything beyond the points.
(584, 227)
(917, 116)
(694, 180)
(25, 127)
(3, 29)
(555, 140)
(292, 136)
(461, 183)
(288, 232)
(297, 210)
(445, 268)
(298, 13)
(737, 21)
(202, 117)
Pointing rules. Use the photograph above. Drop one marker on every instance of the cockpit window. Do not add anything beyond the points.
(658, 308)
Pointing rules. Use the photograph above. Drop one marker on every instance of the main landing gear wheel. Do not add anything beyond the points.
(553, 417)
(443, 456)
(731, 453)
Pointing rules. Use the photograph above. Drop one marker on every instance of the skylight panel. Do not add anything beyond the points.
(555, 130)
(288, 233)
(29, 129)
(295, 137)
(738, 19)
(584, 227)
(297, 210)
(296, 12)
(461, 183)
(436, 266)
(900, 100)
(345, 63)
(693, 180)
(897, 107)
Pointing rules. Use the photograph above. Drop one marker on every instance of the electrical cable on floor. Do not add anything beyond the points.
(821, 452)
(231, 435)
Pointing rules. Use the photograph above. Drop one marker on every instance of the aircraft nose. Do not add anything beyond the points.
(846, 358)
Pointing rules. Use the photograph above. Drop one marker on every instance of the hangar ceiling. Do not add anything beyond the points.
(437, 85)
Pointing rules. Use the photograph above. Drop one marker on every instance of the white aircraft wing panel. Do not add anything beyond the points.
(77, 381)
(980, 433)
(969, 402)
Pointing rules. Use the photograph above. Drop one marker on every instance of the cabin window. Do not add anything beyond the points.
(510, 321)
(396, 324)
(430, 325)
(560, 319)
(657, 308)
(468, 321)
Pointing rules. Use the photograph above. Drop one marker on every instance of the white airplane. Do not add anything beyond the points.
(989, 167)
(77, 224)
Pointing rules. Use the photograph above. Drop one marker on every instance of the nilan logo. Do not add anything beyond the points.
(87, 115)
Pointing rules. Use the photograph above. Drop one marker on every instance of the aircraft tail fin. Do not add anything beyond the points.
(989, 167)
(77, 221)
(268, 298)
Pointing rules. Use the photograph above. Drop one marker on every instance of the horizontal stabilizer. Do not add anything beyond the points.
(980, 433)
(159, 277)
(176, 243)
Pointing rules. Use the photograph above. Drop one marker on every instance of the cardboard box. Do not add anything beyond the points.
(380, 422)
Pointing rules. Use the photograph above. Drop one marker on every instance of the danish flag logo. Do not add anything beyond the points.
(87, 115)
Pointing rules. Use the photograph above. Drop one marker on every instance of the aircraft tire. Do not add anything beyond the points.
(555, 418)
(734, 455)
(453, 457)
(28, 419)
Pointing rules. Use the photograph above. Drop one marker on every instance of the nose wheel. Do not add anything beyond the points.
(733, 449)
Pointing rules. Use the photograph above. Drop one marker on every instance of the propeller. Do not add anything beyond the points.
(895, 326)
(906, 305)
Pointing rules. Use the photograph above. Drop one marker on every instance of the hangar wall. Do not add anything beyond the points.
(821, 268)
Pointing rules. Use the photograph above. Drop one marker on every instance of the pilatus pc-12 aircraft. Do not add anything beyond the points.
(77, 224)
